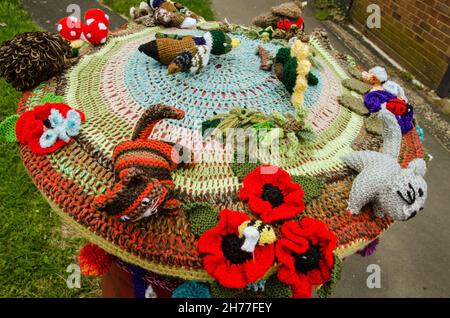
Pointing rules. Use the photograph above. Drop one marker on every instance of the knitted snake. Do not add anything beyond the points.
(142, 169)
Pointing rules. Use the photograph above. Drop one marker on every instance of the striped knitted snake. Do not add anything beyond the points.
(142, 171)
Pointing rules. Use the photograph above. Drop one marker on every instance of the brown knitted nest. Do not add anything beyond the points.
(32, 57)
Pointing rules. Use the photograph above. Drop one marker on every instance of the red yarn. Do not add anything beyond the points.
(256, 189)
(301, 266)
(93, 260)
(228, 274)
(30, 126)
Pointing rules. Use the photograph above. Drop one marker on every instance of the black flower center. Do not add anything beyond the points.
(231, 248)
(309, 260)
(273, 194)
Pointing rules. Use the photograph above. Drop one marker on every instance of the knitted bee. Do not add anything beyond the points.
(255, 232)
(142, 169)
(188, 53)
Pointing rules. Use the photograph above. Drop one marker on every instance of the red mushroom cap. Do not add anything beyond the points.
(96, 32)
(98, 15)
(69, 28)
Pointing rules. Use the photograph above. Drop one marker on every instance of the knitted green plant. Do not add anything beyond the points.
(52, 98)
(8, 129)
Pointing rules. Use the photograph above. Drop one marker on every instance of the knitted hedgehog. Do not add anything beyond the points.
(142, 170)
(32, 57)
(172, 14)
(188, 53)
(400, 193)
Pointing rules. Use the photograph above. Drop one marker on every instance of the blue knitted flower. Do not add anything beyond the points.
(192, 289)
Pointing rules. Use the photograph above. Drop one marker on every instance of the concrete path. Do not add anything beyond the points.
(47, 13)
(413, 256)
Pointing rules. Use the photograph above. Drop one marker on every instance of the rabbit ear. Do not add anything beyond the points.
(419, 167)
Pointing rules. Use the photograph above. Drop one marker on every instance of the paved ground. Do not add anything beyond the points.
(414, 256)
(47, 13)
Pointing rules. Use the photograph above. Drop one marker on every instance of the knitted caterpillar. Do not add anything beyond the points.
(142, 170)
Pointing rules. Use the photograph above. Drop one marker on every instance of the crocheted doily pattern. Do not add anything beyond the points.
(115, 84)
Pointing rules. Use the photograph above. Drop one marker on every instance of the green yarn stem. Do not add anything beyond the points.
(327, 289)
(312, 187)
(202, 217)
(8, 129)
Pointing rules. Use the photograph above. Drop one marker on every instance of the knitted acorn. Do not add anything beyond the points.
(142, 171)
(188, 53)
(33, 57)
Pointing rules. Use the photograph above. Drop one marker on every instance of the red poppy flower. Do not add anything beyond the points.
(223, 257)
(306, 254)
(33, 124)
(271, 193)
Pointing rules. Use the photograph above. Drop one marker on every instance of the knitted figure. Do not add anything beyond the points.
(142, 169)
(170, 14)
(48, 127)
(188, 53)
(400, 193)
(378, 78)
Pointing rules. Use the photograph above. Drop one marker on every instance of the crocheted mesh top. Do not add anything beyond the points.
(114, 85)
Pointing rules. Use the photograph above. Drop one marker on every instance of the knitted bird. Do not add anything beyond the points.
(142, 170)
(172, 14)
(33, 57)
(188, 53)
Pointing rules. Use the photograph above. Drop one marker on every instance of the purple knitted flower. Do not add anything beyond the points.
(370, 248)
(374, 99)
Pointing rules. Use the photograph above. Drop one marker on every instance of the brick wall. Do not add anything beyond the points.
(416, 33)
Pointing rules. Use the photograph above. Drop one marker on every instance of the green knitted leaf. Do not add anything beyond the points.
(283, 55)
(209, 124)
(327, 289)
(202, 217)
(355, 73)
(52, 98)
(8, 129)
(306, 134)
(240, 170)
(312, 187)
(276, 289)
(357, 86)
(373, 125)
(290, 74)
(355, 104)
